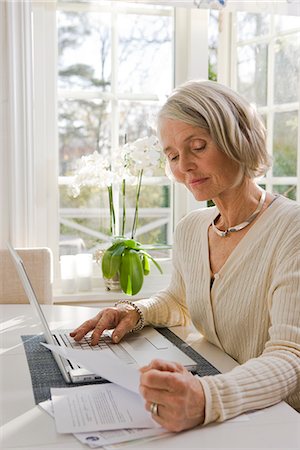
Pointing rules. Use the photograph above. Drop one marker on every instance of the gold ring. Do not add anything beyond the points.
(154, 409)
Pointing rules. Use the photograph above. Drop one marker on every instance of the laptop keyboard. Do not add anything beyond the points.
(103, 344)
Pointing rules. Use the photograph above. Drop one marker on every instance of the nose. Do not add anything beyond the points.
(186, 162)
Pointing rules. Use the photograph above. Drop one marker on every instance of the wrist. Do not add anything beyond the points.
(141, 320)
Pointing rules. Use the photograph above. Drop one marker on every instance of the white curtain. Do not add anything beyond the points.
(18, 162)
(28, 185)
(4, 149)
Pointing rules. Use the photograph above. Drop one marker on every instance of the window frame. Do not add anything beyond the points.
(114, 97)
(31, 187)
(188, 35)
(227, 74)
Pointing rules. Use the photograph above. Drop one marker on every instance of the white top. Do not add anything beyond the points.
(252, 311)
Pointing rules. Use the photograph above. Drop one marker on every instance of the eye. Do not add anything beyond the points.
(199, 149)
(172, 157)
(197, 145)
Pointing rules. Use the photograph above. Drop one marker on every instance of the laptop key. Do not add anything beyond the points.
(104, 343)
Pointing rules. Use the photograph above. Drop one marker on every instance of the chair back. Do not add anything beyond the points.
(38, 265)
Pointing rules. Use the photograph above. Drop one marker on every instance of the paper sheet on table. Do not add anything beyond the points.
(98, 407)
(103, 363)
(103, 438)
(96, 439)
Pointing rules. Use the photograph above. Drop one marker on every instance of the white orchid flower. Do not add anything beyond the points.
(133, 161)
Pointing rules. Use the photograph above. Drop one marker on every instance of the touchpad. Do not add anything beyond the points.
(148, 342)
(139, 343)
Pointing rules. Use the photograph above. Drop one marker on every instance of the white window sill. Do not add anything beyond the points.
(153, 283)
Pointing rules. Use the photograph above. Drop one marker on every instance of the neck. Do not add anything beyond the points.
(237, 204)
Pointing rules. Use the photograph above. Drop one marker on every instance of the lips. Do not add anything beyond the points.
(197, 182)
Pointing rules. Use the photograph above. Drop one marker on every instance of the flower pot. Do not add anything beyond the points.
(113, 284)
(124, 265)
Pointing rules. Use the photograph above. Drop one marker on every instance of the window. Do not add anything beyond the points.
(99, 101)
(84, 103)
(267, 73)
(115, 65)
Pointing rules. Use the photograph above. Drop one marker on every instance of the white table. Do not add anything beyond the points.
(25, 426)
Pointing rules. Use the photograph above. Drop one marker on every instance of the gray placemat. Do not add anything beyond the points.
(204, 367)
(44, 371)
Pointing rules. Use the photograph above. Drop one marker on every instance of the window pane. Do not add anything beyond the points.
(288, 191)
(84, 220)
(286, 71)
(251, 25)
(213, 30)
(268, 51)
(252, 73)
(263, 118)
(154, 213)
(137, 118)
(285, 144)
(127, 53)
(284, 23)
(84, 126)
(84, 50)
(145, 54)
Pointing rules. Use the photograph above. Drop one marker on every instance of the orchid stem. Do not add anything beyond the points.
(138, 190)
(111, 210)
(124, 206)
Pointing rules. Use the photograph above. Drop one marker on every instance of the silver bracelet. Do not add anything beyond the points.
(141, 322)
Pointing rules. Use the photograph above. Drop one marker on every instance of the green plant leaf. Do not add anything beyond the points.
(152, 259)
(131, 272)
(146, 265)
(113, 246)
(110, 264)
(132, 243)
(111, 259)
(119, 249)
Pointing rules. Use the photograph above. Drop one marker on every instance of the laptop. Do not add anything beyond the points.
(137, 349)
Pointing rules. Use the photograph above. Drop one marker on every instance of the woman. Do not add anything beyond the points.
(236, 267)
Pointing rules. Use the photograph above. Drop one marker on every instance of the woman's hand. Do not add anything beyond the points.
(178, 394)
(122, 318)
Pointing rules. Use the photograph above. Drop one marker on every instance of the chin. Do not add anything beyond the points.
(201, 193)
(201, 196)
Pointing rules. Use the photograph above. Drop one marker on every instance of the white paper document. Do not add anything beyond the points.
(96, 439)
(103, 438)
(103, 363)
(98, 407)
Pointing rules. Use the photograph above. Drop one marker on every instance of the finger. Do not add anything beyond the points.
(160, 409)
(106, 322)
(83, 329)
(124, 327)
(163, 416)
(160, 380)
(163, 365)
(157, 396)
(168, 418)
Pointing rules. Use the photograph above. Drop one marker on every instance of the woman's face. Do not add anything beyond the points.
(195, 160)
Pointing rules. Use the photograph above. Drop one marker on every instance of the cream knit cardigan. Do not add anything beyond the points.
(252, 311)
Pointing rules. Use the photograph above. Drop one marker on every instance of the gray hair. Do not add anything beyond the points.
(232, 123)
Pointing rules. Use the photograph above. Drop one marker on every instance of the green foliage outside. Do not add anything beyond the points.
(84, 125)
